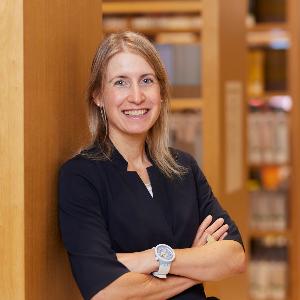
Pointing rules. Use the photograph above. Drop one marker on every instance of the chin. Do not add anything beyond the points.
(137, 132)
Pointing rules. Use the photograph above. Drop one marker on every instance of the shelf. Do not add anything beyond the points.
(155, 31)
(280, 100)
(186, 104)
(268, 34)
(265, 165)
(268, 94)
(257, 233)
(147, 7)
(268, 26)
(251, 298)
(260, 35)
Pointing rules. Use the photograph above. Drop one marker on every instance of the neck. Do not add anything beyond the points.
(132, 148)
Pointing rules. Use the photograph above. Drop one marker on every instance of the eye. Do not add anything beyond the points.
(120, 82)
(147, 80)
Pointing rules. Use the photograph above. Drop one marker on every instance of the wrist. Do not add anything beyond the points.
(153, 263)
(147, 258)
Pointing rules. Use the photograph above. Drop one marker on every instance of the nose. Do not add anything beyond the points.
(137, 95)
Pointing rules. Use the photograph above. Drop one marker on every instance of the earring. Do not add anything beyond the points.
(104, 119)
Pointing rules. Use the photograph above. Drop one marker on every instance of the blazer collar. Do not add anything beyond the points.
(121, 162)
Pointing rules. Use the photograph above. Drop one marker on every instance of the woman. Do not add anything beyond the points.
(139, 220)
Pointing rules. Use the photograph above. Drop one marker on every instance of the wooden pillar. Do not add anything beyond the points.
(224, 113)
(45, 54)
(294, 90)
(12, 284)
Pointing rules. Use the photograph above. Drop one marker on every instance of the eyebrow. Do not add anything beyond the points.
(124, 76)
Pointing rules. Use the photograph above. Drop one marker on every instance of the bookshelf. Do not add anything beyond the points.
(199, 110)
(274, 35)
(175, 29)
(273, 183)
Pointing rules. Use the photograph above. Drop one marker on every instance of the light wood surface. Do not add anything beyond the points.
(156, 31)
(184, 104)
(224, 58)
(137, 7)
(60, 40)
(42, 123)
(268, 26)
(294, 88)
(12, 281)
(259, 233)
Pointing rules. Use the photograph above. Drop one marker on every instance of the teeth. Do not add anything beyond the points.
(136, 112)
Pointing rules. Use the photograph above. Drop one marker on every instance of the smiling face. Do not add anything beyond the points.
(131, 96)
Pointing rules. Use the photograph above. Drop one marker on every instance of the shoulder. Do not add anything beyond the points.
(75, 169)
(85, 158)
(189, 162)
(81, 163)
(77, 162)
(183, 158)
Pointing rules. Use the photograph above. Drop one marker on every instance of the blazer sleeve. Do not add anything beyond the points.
(209, 205)
(84, 232)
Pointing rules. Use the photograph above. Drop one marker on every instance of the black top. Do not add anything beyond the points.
(105, 209)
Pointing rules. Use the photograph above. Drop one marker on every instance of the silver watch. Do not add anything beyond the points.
(164, 254)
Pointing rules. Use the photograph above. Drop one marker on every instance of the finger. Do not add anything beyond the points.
(211, 230)
(215, 226)
(218, 233)
(223, 236)
(205, 223)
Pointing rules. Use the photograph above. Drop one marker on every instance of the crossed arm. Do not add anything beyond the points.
(202, 262)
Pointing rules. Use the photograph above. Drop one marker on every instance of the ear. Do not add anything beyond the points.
(97, 98)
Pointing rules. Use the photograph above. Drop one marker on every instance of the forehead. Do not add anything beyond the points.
(128, 64)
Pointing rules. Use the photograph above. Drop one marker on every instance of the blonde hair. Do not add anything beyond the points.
(158, 136)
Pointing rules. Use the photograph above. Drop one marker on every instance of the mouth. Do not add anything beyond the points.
(135, 112)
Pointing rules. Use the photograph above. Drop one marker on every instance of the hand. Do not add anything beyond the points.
(143, 262)
(217, 229)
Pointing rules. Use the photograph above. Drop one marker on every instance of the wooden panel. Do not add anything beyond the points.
(60, 38)
(11, 149)
(294, 87)
(179, 104)
(224, 61)
(138, 7)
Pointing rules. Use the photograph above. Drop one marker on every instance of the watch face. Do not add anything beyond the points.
(165, 253)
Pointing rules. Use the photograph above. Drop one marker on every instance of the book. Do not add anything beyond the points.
(183, 65)
(256, 72)
(276, 70)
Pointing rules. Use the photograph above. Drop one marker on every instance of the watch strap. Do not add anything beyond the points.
(163, 270)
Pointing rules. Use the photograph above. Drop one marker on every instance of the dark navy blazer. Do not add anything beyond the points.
(105, 209)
